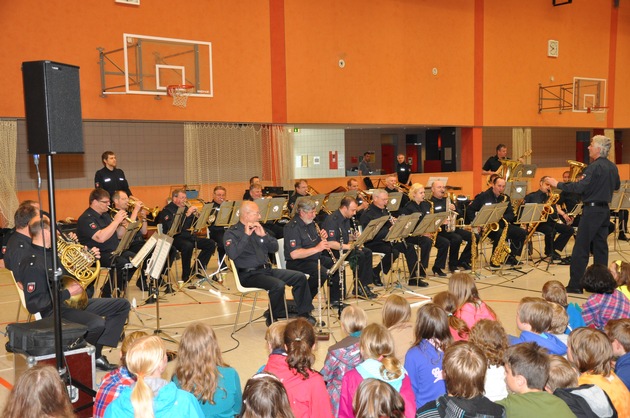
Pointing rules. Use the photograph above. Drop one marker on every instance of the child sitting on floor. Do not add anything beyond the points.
(533, 319)
(470, 307)
(554, 291)
(618, 331)
(606, 302)
(491, 338)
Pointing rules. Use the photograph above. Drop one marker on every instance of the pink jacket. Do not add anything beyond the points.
(350, 384)
(472, 313)
(307, 397)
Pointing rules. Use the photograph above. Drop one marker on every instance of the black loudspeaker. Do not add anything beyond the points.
(52, 98)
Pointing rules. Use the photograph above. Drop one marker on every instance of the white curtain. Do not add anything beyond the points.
(8, 185)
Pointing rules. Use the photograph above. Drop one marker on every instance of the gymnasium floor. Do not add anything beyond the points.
(246, 349)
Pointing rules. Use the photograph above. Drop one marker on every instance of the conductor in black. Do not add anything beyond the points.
(599, 181)
(110, 177)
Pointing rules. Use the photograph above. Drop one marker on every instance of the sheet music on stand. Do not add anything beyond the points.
(489, 214)
(318, 198)
(393, 202)
(263, 207)
(223, 215)
(370, 230)
(430, 224)
(530, 213)
(156, 263)
(334, 201)
(576, 211)
(178, 221)
(617, 200)
(202, 220)
(351, 193)
(403, 227)
(144, 251)
(525, 171)
(275, 209)
(125, 241)
(516, 190)
(236, 212)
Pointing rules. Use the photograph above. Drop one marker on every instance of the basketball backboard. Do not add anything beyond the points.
(589, 94)
(153, 63)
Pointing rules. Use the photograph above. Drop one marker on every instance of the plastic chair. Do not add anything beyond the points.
(22, 302)
(243, 292)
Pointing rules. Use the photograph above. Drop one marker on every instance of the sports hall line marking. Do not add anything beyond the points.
(6, 384)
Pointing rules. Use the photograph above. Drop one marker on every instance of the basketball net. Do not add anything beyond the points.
(180, 94)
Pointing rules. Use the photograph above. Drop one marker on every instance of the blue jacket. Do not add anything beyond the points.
(423, 362)
(548, 341)
(622, 369)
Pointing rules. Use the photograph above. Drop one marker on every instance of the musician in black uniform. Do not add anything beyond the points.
(567, 202)
(247, 244)
(600, 179)
(551, 227)
(341, 227)
(403, 170)
(252, 181)
(515, 234)
(304, 245)
(104, 318)
(216, 232)
(391, 187)
(109, 177)
(377, 209)
(19, 243)
(493, 163)
(275, 228)
(362, 204)
(301, 189)
(418, 204)
(185, 241)
(455, 238)
(97, 228)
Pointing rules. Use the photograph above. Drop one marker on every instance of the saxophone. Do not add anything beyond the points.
(452, 216)
(435, 234)
(502, 251)
(78, 262)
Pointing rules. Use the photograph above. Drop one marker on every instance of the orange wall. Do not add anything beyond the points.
(390, 48)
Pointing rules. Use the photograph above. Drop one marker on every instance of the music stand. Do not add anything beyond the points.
(318, 198)
(351, 193)
(620, 201)
(393, 202)
(263, 207)
(223, 215)
(517, 190)
(202, 219)
(430, 224)
(236, 213)
(530, 215)
(487, 215)
(275, 209)
(333, 202)
(434, 179)
(525, 171)
(178, 221)
(200, 270)
(123, 245)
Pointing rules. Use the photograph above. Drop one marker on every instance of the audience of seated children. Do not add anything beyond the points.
(424, 359)
(554, 291)
(38, 392)
(606, 302)
(274, 337)
(559, 322)
(533, 319)
(618, 331)
(379, 362)
(464, 369)
(264, 396)
(590, 351)
(202, 372)
(305, 387)
(346, 354)
(396, 316)
(586, 401)
(375, 399)
(491, 338)
(116, 380)
(526, 372)
(621, 273)
(151, 396)
(470, 307)
(448, 302)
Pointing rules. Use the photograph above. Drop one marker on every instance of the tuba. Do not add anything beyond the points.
(78, 262)
(575, 169)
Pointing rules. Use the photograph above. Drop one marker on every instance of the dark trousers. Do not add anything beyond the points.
(105, 319)
(119, 274)
(515, 234)
(274, 281)
(425, 244)
(363, 259)
(186, 246)
(309, 267)
(442, 244)
(550, 229)
(593, 230)
(391, 254)
(216, 233)
(455, 240)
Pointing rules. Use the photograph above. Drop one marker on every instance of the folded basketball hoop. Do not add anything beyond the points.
(180, 93)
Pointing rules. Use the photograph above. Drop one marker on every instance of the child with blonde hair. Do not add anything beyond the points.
(379, 362)
(533, 319)
(264, 396)
(618, 331)
(375, 399)
(424, 359)
(554, 291)
(396, 315)
(559, 322)
(591, 353)
(448, 302)
(151, 396)
(621, 273)
(491, 338)
(346, 354)
(470, 307)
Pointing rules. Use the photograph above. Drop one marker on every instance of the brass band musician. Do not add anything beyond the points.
(455, 236)
(551, 227)
(301, 189)
(216, 232)
(392, 187)
(493, 164)
(515, 234)
(353, 185)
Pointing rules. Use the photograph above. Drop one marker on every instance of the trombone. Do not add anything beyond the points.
(153, 212)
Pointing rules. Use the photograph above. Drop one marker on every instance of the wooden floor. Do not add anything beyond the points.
(246, 349)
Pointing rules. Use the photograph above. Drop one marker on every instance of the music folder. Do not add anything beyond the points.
(202, 219)
(393, 202)
(333, 201)
(530, 213)
(318, 198)
(178, 221)
(125, 241)
(403, 227)
(430, 224)
(275, 209)
(370, 230)
(223, 215)
(236, 213)
(516, 190)
(489, 214)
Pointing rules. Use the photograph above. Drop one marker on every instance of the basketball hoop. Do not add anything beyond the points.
(599, 111)
(180, 93)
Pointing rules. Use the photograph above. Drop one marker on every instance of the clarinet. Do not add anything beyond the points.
(341, 273)
(334, 259)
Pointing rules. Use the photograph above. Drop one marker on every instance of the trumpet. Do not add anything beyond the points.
(114, 211)
(189, 205)
(153, 212)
